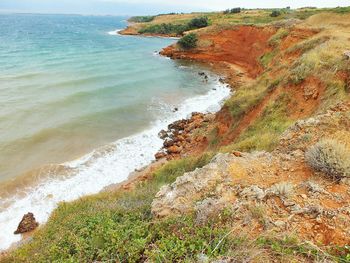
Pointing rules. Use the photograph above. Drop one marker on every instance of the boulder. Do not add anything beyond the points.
(27, 224)
(160, 155)
(346, 54)
(174, 149)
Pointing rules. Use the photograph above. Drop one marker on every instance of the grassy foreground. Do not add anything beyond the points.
(119, 227)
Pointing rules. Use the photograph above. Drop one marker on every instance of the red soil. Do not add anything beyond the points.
(242, 46)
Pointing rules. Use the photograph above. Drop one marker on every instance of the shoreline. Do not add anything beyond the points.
(140, 173)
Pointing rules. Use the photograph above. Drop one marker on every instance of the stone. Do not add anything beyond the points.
(174, 149)
(237, 154)
(27, 224)
(160, 155)
(253, 192)
(346, 54)
(279, 223)
(162, 134)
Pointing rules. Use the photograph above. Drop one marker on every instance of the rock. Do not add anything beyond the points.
(346, 54)
(27, 224)
(168, 143)
(174, 149)
(280, 223)
(253, 192)
(162, 134)
(315, 188)
(280, 189)
(206, 209)
(304, 196)
(222, 80)
(175, 109)
(237, 154)
(160, 155)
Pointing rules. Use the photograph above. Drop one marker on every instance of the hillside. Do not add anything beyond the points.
(266, 179)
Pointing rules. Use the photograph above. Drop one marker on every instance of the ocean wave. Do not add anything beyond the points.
(114, 32)
(104, 166)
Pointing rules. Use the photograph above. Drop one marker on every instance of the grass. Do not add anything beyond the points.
(264, 133)
(175, 28)
(266, 59)
(119, 227)
(110, 226)
(280, 34)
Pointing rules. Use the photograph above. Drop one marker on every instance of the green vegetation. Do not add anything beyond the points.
(235, 10)
(175, 29)
(164, 29)
(188, 41)
(264, 133)
(266, 59)
(330, 157)
(119, 226)
(275, 13)
(141, 19)
(280, 34)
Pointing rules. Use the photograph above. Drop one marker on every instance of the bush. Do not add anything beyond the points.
(141, 19)
(329, 157)
(175, 29)
(199, 22)
(275, 13)
(235, 10)
(188, 41)
(165, 29)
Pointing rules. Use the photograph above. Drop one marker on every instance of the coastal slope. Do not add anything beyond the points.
(265, 179)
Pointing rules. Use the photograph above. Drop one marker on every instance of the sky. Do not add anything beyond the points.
(143, 7)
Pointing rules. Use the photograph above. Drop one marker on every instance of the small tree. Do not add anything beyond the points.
(275, 13)
(235, 10)
(199, 22)
(188, 41)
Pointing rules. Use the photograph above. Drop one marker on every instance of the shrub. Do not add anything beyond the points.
(275, 13)
(175, 29)
(198, 22)
(188, 41)
(330, 157)
(235, 10)
(141, 19)
(165, 29)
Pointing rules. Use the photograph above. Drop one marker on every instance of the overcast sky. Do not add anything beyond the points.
(135, 7)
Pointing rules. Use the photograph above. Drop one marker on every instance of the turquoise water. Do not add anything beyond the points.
(67, 87)
(81, 108)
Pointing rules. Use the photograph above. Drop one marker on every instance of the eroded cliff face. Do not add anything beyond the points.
(241, 46)
(274, 192)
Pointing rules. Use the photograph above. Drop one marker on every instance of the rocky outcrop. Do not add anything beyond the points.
(27, 224)
(181, 137)
(275, 191)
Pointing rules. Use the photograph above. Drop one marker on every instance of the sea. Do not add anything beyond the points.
(81, 108)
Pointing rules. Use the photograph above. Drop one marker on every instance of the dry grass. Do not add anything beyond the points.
(330, 157)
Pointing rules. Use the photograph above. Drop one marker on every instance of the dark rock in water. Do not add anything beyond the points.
(176, 109)
(201, 73)
(163, 134)
(27, 224)
(222, 80)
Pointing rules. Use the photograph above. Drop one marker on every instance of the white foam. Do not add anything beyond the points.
(98, 169)
(114, 32)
